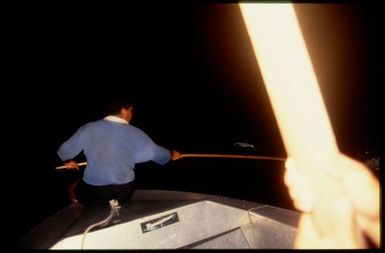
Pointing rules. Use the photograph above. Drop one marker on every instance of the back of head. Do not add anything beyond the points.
(114, 103)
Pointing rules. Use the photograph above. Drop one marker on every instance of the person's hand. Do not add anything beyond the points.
(70, 165)
(355, 205)
(299, 189)
(362, 189)
(175, 155)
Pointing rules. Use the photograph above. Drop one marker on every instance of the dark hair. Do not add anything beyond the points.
(115, 104)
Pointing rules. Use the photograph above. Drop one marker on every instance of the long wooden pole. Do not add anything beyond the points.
(196, 155)
(200, 155)
(64, 167)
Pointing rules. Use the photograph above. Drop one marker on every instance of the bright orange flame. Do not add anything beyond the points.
(295, 96)
(290, 79)
(305, 127)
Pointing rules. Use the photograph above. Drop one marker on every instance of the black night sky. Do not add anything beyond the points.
(197, 87)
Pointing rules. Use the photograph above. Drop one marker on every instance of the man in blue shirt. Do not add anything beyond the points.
(112, 147)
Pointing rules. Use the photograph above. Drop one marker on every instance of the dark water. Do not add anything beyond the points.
(233, 178)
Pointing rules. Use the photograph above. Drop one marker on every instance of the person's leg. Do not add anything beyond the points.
(89, 194)
(72, 191)
(125, 192)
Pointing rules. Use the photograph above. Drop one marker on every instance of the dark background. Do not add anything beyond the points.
(197, 87)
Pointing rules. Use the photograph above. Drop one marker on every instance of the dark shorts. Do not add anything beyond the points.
(91, 194)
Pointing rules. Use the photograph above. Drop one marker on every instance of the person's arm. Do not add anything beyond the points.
(154, 152)
(71, 148)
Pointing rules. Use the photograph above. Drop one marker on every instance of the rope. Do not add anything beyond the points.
(114, 212)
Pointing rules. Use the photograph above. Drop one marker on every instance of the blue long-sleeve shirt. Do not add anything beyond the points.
(112, 149)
